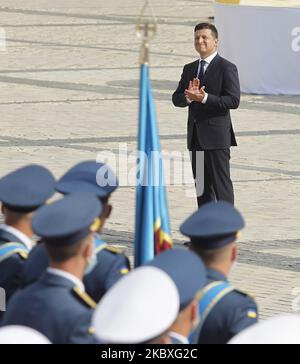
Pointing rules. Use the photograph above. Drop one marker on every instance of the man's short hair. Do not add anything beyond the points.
(60, 254)
(210, 256)
(14, 217)
(208, 26)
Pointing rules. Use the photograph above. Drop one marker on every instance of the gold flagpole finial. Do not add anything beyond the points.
(146, 27)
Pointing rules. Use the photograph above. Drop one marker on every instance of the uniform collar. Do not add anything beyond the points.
(68, 276)
(178, 337)
(18, 234)
(213, 274)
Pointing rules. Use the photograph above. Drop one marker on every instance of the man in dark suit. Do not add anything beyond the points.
(210, 88)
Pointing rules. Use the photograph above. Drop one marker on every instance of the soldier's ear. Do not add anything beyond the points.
(88, 248)
(195, 310)
(2, 209)
(106, 211)
(109, 210)
(234, 253)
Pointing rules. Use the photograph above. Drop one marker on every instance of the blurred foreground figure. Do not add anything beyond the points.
(188, 273)
(21, 335)
(139, 308)
(278, 330)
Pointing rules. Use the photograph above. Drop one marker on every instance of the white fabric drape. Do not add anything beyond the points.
(264, 43)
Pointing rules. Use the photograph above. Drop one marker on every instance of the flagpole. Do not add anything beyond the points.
(152, 227)
(146, 27)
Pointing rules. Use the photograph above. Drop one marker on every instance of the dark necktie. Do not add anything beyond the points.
(201, 72)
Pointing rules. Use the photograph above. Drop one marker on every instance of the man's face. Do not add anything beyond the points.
(205, 42)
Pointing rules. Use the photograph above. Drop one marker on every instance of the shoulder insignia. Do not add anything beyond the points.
(124, 271)
(7, 250)
(252, 314)
(91, 330)
(116, 249)
(84, 297)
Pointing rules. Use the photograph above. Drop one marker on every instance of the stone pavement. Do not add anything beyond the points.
(69, 89)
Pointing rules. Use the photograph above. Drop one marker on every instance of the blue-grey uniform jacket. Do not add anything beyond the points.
(54, 307)
(109, 267)
(233, 313)
(11, 266)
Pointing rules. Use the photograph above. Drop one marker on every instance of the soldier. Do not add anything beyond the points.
(138, 309)
(225, 311)
(21, 193)
(108, 263)
(188, 272)
(57, 305)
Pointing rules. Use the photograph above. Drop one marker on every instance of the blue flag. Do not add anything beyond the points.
(152, 226)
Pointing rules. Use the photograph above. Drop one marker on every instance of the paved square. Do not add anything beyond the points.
(69, 89)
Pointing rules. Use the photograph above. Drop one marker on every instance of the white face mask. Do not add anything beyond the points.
(92, 262)
(233, 267)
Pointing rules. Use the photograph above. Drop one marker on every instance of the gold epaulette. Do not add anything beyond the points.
(84, 297)
(252, 314)
(115, 249)
(23, 254)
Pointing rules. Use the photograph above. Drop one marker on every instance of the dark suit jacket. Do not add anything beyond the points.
(211, 121)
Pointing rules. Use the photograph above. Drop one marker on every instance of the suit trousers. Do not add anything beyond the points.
(217, 182)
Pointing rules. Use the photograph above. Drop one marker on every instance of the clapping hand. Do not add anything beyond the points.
(194, 92)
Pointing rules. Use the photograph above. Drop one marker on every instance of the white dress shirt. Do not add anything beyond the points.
(208, 60)
(58, 272)
(21, 236)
